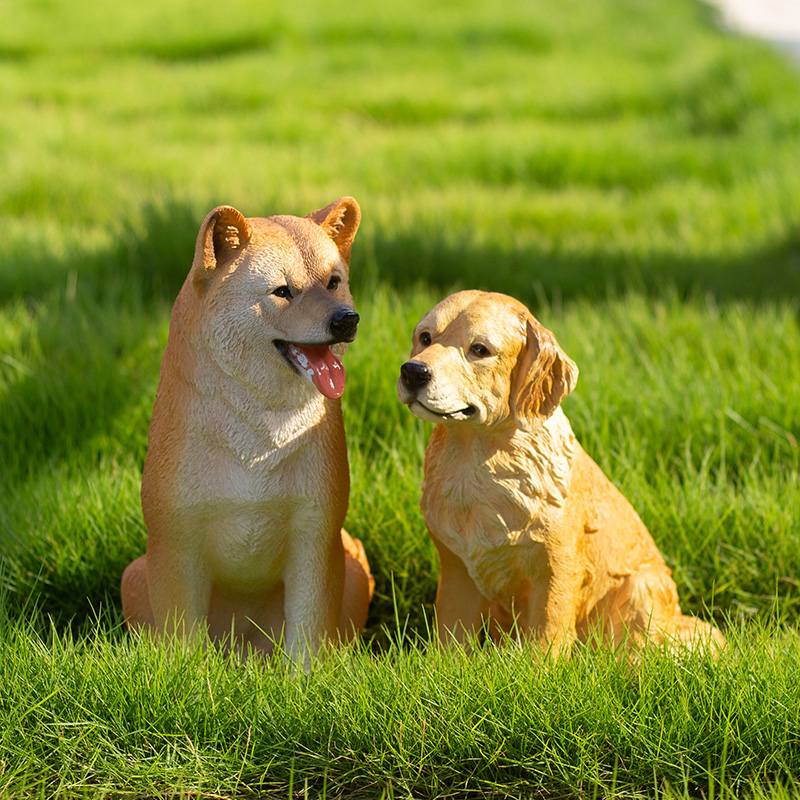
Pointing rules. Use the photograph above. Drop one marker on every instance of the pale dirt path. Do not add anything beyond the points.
(775, 20)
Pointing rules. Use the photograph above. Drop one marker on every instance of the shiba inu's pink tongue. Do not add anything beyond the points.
(320, 366)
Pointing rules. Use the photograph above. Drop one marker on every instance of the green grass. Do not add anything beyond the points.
(622, 166)
(123, 717)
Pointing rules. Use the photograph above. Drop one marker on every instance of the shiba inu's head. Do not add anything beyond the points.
(273, 294)
(481, 358)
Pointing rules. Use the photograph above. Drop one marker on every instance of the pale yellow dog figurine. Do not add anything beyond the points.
(246, 482)
(532, 537)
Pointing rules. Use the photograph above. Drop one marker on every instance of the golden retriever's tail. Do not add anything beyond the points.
(696, 634)
(359, 586)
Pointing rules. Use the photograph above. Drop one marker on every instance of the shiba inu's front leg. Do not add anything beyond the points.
(314, 585)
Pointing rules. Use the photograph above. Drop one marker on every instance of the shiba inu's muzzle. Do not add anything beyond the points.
(317, 362)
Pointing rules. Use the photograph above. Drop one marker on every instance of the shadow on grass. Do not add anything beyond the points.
(134, 281)
(763, 274)
(145, 263)
(151, 256)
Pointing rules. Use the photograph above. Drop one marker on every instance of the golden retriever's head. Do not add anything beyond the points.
(482, 359)
(272, 294)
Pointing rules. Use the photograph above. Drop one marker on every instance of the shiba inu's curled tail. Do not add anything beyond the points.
(358, 587)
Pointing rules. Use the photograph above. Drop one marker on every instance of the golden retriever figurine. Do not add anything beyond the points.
(246, 482)
(531, 534)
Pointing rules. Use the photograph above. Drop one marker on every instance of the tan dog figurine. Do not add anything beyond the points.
(246, 482)
(531, 535)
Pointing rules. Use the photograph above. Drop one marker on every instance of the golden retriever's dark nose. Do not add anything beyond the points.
(415, 374)
(344, 324)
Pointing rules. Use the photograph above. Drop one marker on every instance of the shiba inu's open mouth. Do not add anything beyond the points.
(318, 364)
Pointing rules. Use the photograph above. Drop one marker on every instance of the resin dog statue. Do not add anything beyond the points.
(532, 537)
(246, 481)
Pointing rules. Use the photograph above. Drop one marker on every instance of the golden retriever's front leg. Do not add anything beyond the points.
(552, 606)
(460, 607)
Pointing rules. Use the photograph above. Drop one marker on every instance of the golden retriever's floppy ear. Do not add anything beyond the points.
(340, 221)
(543, 377)
(223, 235)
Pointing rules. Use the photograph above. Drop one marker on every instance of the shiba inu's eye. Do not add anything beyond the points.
(333, 283)
(425, 338)
(479, 350)
(283, 291)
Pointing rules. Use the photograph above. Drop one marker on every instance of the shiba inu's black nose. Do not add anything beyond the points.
(415, 374)
(344, 324)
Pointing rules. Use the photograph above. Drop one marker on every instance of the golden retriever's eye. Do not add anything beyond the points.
(424, 338)
(333, 283)
(479, 350)
(283, 291)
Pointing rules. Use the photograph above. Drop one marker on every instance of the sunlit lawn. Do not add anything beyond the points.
(624, 168)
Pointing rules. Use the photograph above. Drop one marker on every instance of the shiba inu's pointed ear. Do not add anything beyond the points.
(543, 377)
(340, 221)
(223, 235)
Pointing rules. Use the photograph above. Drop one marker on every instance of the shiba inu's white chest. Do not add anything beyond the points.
(245, 493)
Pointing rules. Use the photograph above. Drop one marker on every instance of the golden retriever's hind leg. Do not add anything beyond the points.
(642, 608)
(358, 588)
(646, 609)
(502, 624)
(136, 609)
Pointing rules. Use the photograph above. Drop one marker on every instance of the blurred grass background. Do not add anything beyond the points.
(622, 166)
